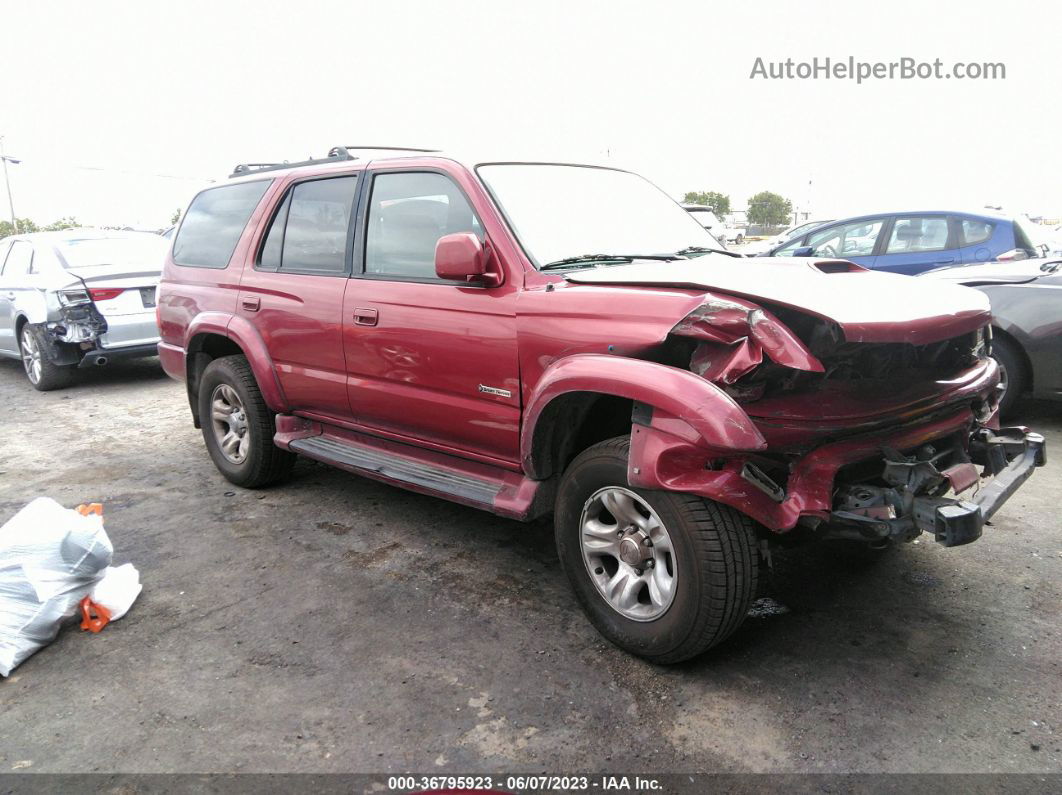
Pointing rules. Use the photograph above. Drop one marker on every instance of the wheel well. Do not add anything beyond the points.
(998, 333)
(572, 422)
(202, 350)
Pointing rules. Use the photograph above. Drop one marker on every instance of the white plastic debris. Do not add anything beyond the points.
(50, 558)
(118, 589)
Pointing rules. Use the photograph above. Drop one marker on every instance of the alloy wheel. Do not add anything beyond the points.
(628, 553)
(31, 356)
(229, 420)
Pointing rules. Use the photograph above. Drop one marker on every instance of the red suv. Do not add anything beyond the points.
(529, 338)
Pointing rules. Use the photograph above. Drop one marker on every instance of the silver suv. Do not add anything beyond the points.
(78, 298)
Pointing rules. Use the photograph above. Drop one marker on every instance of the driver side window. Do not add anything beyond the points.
(408, 213)
(855, 239)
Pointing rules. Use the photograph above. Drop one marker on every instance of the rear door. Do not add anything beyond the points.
(429, 361)
(916, 243)
(293, 294)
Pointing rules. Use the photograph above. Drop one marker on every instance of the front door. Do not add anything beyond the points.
(293, 294)
(429, 360)
(13, 275)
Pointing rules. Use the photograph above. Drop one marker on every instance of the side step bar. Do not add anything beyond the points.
(364, 459)
(480, 485)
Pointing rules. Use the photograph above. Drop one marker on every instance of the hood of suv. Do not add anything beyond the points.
(868, 306)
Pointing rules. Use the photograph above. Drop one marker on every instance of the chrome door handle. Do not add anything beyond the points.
(251, 303)
(366, 317)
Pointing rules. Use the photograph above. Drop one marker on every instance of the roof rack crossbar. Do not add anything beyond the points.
(344, 149)
(335, 155)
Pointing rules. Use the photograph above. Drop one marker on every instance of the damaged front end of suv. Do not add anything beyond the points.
(873, 414)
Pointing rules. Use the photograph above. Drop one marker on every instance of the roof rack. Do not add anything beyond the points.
(335, 155)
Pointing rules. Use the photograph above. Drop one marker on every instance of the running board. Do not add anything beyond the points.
(401, 470)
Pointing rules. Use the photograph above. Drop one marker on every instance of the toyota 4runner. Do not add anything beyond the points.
(529, 338)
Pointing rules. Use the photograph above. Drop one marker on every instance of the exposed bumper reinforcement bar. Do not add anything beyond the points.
(1010, 454)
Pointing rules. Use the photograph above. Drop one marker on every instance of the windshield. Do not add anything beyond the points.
(559, 212)
(147, 251)
(1037, 235)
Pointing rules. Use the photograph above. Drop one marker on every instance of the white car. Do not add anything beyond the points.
(708, 219)
(763, 246)
(78, 298)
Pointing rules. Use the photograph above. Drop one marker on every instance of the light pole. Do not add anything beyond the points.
(10, 204)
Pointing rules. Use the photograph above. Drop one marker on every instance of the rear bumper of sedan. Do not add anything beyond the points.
(101, 356)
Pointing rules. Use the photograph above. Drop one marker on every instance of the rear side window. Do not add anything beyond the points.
(310, 230)
(910, 235)
(19, 260)
(214, 222)
(974, 231)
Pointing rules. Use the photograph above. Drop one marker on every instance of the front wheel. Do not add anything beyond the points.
(662, 575)
(237, 425)
(1012, 377)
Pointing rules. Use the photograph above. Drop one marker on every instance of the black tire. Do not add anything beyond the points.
(52, 375)
(264, 462)
(1012, 363)
(715, 555)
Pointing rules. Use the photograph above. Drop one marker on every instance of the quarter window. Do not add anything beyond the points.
(214, 222)
(910, 235)
(974, 231)
(408, 213)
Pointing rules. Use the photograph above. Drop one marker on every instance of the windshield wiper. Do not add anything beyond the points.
(583, 259)
(706, 250)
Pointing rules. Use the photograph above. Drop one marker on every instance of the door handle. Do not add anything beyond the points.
(251, 303)
(366, 317)
(947, 261)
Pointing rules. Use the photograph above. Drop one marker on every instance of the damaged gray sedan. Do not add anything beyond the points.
(78, 298)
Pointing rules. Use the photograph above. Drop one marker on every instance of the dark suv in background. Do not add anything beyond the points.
(529, 338)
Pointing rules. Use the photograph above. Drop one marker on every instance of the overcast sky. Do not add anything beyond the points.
(119, 112)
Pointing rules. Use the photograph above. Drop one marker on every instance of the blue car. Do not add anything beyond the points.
(913, 242)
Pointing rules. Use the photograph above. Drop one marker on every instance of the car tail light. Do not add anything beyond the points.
(73, 297)
(105, 293)
(1013, 254)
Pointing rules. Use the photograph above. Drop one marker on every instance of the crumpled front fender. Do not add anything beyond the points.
(706, 416)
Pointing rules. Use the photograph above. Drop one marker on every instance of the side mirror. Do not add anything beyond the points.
(804, 251)
(462, 257)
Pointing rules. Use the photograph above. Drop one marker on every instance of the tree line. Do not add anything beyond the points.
(765, 208)
(25, 226)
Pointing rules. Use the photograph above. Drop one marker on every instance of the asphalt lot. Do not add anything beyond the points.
(333, 625)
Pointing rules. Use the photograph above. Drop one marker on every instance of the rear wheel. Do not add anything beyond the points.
(662, 575)
(1012, 375)
(238, 427)
(42, 372)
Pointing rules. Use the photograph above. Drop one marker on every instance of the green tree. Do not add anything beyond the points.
(176, 216)
(25, 226)
(69, 222)
(769, 209)
(719, 202)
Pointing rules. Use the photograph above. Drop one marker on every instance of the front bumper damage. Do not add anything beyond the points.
(921, 495)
